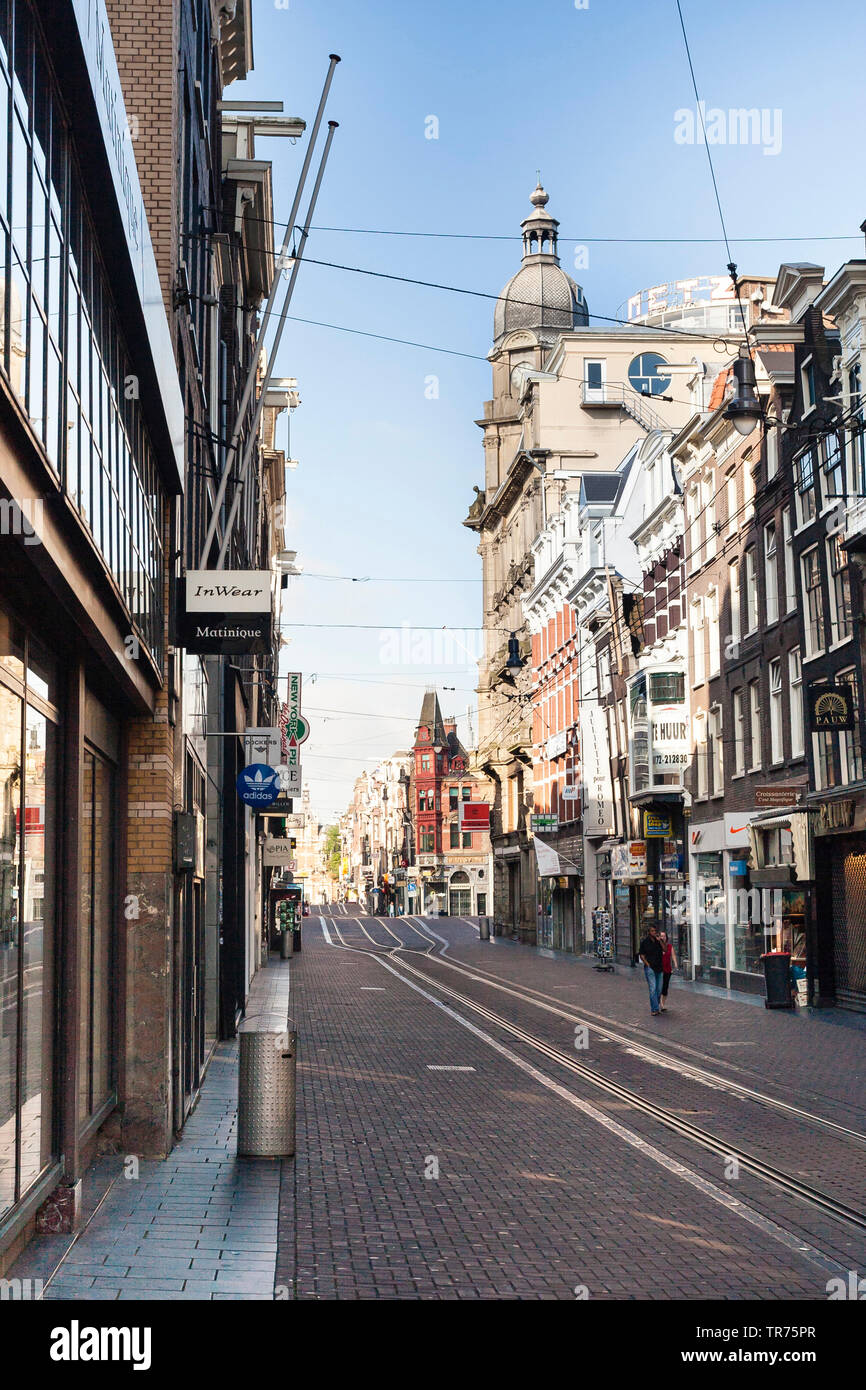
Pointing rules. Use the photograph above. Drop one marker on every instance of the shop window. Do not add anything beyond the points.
(850, 748)
(95, 936)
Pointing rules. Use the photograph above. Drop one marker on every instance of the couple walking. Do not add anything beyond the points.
(659, 961)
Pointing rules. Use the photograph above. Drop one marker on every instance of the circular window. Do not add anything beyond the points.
(643, 374)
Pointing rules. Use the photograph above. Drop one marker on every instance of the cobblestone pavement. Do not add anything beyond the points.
(446, 1151)
(440, 1158)
(200, 1225)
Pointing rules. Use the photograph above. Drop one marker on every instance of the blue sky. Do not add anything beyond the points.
(587, 96)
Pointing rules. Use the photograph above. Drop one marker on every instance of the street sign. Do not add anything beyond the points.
(226, 613)
(263, 746)
(258, 784)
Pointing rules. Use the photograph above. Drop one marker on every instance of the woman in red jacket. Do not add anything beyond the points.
(669, 964)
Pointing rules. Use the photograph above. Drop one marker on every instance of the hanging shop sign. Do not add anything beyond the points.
(656, 827)
(669, 740)
(258, 784)
(290, 779)
(830, 707)
(598, 818)
(278, 851)
(544, 822)
(570, 793)
(263, 746)
(474, 816)
(226, 613)
(556, 745)
(628, 861)
(546, 858)
(777, 796)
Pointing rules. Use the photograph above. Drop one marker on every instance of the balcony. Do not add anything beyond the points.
(854, 530)
(615, 395)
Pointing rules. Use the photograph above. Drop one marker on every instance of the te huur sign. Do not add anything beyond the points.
(226, 613)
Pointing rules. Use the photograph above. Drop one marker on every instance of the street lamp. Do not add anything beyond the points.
(744, 409)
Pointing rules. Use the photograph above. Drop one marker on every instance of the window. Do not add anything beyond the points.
(698, 656)
(453, 795)
(840, 590)
(776, 749)
(834, 469)
(734, 592)
(850, 750)
(755, 724)
(425, 762)
(700, 755)
(731, 503)
(713, 632)
(739, 734)
(795, 703)
(428, 843)
(709, 508)
(455, 835)
(813, 602)
(717, 750)
(467, 792)
(667, 687)
(772, 453)
(807, 383)
(467, 840)
(593, 379)
(693, 529)
(790, 584)
(804, 481)
(605, 685)
(646, 373)
(751, 592)
(771, 573)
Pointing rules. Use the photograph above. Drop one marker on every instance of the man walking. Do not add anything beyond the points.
(652, 955)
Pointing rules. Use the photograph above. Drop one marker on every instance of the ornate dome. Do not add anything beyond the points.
(540, 297)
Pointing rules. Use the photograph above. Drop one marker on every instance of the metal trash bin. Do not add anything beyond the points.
(266, 1089)
(286, 943)
(484, 928)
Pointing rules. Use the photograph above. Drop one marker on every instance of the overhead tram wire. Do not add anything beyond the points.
(578, 241)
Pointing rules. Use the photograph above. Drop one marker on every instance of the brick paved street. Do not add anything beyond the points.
(441, 1157)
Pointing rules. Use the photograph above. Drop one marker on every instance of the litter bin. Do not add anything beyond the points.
(777, 974)
(286, 943)
(266, 1090)
(296, 937)
(484, 928)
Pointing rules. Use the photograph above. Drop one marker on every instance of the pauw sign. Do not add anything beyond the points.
(226, 613)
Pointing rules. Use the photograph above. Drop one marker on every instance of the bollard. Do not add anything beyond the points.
(484, 928)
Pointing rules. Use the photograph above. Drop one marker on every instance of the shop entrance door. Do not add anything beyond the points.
(849, 931)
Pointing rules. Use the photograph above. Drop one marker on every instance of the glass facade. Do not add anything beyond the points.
(28, 820)
(61, 348)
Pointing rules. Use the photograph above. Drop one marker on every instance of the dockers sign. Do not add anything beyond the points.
(226, 613)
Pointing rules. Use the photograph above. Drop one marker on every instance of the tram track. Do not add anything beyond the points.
(785, 1182)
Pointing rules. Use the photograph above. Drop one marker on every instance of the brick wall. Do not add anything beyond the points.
(146, 44)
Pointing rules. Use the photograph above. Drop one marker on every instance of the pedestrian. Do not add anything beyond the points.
(652, 955)
(669, 964)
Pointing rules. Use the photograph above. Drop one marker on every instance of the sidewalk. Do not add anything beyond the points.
(201, 1224)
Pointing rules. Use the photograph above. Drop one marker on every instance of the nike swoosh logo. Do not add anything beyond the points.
(735, 829)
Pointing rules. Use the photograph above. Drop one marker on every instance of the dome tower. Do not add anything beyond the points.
(540, 297)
